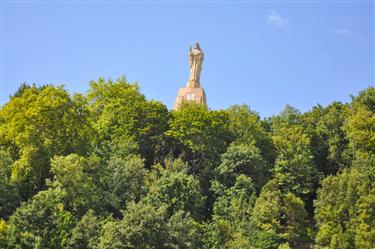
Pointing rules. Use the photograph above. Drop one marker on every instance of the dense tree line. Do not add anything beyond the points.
(111, 169)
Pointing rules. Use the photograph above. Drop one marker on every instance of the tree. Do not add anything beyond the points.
(329, 142)
(203, 134)
(86, 233)
(235, 203)
(76, 175)
(42, 222)
(143, 226)
(9, 196)
(231, 223)
(38, 124)
(4, 229)
(184, 231)
(279, 217)
(126, 180)
(361, 130)
(200, 136)
(120, 112)
(242, 159)
(177, 191)
(345, 213)
(360, 127)
(365, 98)
(248, 128)
(294, 170)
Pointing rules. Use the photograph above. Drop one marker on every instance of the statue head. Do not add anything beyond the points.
(197, 45)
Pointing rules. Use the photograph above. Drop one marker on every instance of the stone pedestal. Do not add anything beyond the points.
(192, 93)
(193, 84)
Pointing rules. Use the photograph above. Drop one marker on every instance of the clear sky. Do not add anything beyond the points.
(262, 53)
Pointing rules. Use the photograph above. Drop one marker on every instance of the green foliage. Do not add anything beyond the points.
(360, 126)
(177, 191)
(39, 123)
(120, 112)
(278, 217)
(9, 196)
(200, 136)
(235, 203)
(361, 130)
(204, 133)
(242, 159)
(126, 180)
(345, 212)
(294, 170)
(42, 222)
(231, 221)
(284, 246)
(75, 175)
(329, 142)
(143, 226)
(111, 169)
(86, 233)
(184, 231)
(4, 229)
(366, 99)
(249, 129)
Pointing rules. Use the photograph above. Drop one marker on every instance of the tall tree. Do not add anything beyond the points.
(329, 142)
(294, 170)
(41, 222)
(120, 112)
(248, 128)
(345, 213)
(143, 226)
(242, 159)
(38, 124)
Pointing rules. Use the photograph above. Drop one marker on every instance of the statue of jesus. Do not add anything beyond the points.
(196, 57)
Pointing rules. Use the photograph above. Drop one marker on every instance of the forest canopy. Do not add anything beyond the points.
(112, 169)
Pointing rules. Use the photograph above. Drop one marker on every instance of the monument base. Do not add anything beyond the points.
(193, 84)
(190, 94)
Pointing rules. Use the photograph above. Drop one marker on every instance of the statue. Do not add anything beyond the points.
(193, 92)
(196, 57)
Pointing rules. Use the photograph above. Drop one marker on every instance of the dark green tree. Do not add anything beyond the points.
(42, 222)
(9, 196)
(86, 233)
(177, 191)
(279, 217)
(242, 159)
(329, 142)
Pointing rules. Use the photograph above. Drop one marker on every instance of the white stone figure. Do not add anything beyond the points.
(196, 57)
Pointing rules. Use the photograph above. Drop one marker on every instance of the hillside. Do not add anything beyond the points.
(111, 169)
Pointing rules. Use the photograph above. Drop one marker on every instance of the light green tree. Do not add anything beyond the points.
(38, 124)
(248, 128)
(76, 175)
(345, 213)
(120, 112)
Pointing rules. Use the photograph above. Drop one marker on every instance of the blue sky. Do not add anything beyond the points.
(264, 54)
